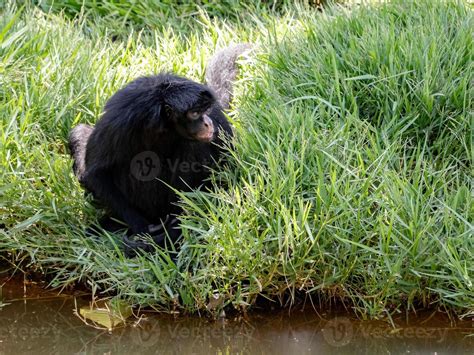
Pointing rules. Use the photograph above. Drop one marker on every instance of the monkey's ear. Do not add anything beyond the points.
(170, 114)
(153, 116)
(156, 111)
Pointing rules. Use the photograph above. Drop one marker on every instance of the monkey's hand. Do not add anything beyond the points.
(159, 233)
(155, 228)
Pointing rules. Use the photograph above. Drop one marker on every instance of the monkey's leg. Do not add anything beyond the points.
(100, 183)
(108, 224)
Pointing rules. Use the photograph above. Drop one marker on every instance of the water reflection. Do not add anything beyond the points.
(45, 326)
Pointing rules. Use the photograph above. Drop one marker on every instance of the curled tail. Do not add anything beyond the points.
(222, 71)
(77, 143)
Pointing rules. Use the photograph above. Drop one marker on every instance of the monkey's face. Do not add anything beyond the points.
(189, 109)
(196, 125)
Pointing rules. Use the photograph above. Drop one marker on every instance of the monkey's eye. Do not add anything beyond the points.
(193, 115)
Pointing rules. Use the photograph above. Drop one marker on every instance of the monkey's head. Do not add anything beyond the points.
(188, 107)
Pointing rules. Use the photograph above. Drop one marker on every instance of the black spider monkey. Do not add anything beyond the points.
(157, 134)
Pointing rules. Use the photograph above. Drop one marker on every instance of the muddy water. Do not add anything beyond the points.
(45, 324)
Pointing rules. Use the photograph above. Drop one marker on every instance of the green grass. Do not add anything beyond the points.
(120, 15)
(351, 178)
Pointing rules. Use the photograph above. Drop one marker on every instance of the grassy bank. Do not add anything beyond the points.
(351, 178)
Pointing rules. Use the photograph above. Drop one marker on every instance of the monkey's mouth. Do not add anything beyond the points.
(207, 137)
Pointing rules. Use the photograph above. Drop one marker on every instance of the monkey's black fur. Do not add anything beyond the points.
(158, 133)
(146, 127)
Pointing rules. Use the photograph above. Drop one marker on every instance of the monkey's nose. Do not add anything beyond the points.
(207, 121)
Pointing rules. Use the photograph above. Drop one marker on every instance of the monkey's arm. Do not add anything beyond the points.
(107, 156)
(128, 113)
